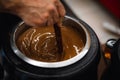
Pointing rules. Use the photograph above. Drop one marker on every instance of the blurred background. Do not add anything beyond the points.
(102, 15)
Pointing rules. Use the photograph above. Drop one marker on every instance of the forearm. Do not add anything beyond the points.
(8, 5)
(2, 5)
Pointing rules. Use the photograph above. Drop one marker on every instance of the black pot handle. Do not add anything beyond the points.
(107, 50)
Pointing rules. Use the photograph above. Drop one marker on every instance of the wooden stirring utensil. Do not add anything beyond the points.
(58, 38)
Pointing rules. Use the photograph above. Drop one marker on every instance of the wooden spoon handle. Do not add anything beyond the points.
(58, 38)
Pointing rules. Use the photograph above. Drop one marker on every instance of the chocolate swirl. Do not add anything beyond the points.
(40, 44)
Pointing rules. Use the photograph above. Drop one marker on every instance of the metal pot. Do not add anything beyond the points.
(79, 67)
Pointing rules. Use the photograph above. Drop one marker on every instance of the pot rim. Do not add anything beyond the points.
(53, 64)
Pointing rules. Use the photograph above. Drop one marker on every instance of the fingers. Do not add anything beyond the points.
(45, 14)
(53, 15)
(56, 12)
(33, 21)
(45, 18)
(51, 12)
(61, 9)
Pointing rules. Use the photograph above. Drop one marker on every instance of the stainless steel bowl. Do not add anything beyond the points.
(68, 21)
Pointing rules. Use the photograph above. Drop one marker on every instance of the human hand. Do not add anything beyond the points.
(39, 12)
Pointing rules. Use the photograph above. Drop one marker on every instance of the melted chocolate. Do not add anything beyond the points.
(40, 44)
